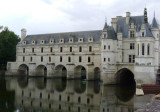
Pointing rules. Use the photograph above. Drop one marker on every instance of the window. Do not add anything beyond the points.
(23, 58)
(90, 48)
(138, 49)
(68, 98)
(108, 47)
(40, 95)
(49, 59)
(32, 50)
(42, 50)
(69, 59)
(30, 94)
(131, 58)
(59, 97)
(80, 39)
(60, 58)
(131, 34)
(88, 101)
(105, 36)
(148, 49)
(131, 45)
(48, 96)
(33, 42)
(104, 59)
(104, 46)
(143, 49)
(31, 59)
(79, 100)
(108, 59)
(49, 106)
(71, 40)
(89, 59)
(70, 49)
(51, 49)
(42, 41)
(59, 107)
(79, 109)
(24, 50)
(142, 34)
(41, 59)
(61, 49)
(51, 41)
(80, 59)
(80, 49)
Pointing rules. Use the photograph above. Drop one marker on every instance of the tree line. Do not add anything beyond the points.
(8, 42)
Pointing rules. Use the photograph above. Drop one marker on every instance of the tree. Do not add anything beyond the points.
(8, 42)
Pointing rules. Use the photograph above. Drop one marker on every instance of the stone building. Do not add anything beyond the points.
(126, 50)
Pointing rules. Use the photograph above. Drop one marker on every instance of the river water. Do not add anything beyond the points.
(22, 94)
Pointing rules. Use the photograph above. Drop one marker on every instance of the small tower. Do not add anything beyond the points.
(23, 33)
(145, 16)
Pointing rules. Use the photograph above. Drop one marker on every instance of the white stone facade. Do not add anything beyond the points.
(131, 42)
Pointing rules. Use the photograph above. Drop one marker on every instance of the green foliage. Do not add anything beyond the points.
(8, 42)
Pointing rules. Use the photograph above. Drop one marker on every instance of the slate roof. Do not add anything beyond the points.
(96, 34)
(154, 23)
(137, 20)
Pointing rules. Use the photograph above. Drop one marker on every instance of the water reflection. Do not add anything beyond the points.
(58, 95)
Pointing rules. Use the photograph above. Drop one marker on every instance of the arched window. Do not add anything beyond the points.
(143, 49)
(41, 59)
(108, 47)
(42, 50)
(148, 49)
(104, 46)
(31, 59)
(90, 48)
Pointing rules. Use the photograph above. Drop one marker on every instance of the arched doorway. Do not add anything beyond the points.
(61, 71)
(97, 73)
(41, 70)
(80, 72)
(124, 77)
(23, 69)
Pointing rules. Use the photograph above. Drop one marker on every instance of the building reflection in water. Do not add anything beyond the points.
(58, 95)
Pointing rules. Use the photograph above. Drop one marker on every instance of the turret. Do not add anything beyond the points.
(145, 16)
(23, 33)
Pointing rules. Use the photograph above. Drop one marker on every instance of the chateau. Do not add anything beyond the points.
(126, 50)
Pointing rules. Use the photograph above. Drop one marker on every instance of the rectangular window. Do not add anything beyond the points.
(131, 58)
(80, 49)
(70, 49)
(142, 34)
(108, 47)
(41, 59)
(131, 34)
(89, 59)
(32, 50)
(42, 50)
(131, 45)
(23, 50)
(80, 59)
(60, 58)
(104, 46)
(61, 49)
(104, 59)
(69, 59)
(23, 58)
(90, 48)
(108, 59)
(51, 49)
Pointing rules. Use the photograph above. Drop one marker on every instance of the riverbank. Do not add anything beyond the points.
(152, 106)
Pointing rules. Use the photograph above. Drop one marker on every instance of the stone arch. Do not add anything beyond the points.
(23, 69)
(124, 77)
(97, 73)
(61, 71)
(80, 72)
(41, 70)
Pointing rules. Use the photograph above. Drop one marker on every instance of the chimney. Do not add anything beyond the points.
(23, 33)
(127, 17)
(114, 23)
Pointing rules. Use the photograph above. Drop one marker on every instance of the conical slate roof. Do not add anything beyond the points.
(154, 23)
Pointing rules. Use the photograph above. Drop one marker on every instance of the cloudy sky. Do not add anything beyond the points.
(49, 16)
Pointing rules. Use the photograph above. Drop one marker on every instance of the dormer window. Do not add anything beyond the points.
(90, 39)
(42, 41)
(51, 41)
(80, 39)
(132, 34)
(61, 41)
(33, 42)
(105, 36)
(142, 34)
(70, 40)
(24, 42)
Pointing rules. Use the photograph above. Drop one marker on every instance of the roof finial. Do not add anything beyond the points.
(105, 19)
